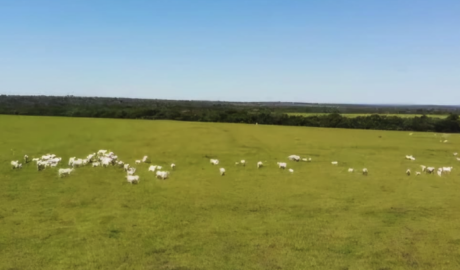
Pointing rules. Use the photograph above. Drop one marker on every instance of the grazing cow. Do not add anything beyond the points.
(294, 157)
(132, 179)
(173, 166)
(259, 164)
(282, 165)
(162, 174)
(291, 170)
(446, 169)
(418, 173)
(137, 162)
(14, 164)
(222, 171)
(64, 172)
(131, 171)
(214, 161)
(351, 170)
(365, 171)
(439, 172)
(334, 163)
(152, 168)
(423, 168)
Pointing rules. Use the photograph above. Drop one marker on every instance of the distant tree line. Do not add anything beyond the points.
(205, 111)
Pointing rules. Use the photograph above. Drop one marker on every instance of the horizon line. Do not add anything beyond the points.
(230, 101)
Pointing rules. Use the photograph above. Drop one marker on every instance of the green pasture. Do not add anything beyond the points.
(319, 217)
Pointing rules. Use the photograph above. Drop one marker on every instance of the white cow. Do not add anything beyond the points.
(131, 171)
(214, 161)
(96, 164)
(71, 160)
(423, 168)
(291, 170)
(418, 173)
(14, 164)
(101, 152)
(439, 172)
(334, 163)
(26, 158)
(41, 165)
(77, 162)
(243, 162)
(259, 164)
(173, 166)
(294, 157)
(152, 168)
(132, 179)
(365, 171)
(126, 167)
(137, 162)
(282, 165)
(447, 169)
(222, 171)
(351, 170)
(64, 172)
(162, 174)
(145, 159)
(430, 169)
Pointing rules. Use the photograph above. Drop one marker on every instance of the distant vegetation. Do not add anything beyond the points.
(270, 113)
(406, 115)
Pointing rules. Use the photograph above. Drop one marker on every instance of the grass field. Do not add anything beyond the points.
(319, 217)
(357, 114)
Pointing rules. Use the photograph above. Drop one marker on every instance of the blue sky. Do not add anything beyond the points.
(350, 51)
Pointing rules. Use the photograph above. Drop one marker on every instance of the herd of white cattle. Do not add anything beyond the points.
(430, 170)
(102, 158)
(105, 158)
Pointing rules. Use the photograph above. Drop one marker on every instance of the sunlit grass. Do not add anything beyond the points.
(319, 217)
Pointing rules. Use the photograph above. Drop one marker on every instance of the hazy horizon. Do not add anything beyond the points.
(350, 52)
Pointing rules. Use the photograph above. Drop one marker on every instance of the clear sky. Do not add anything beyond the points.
(336, 51)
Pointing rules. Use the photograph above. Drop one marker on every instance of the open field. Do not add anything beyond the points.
(319, 217)
(357, 114)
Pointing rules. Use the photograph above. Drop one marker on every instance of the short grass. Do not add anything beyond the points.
(319, 217)
(367, 114)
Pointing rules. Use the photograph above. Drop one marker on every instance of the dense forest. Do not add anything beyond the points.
(271, 113)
